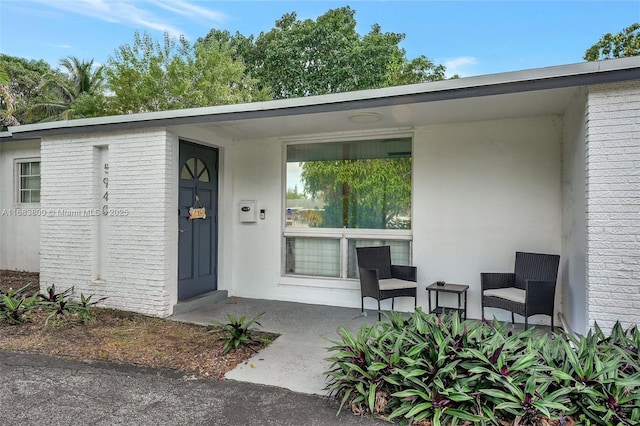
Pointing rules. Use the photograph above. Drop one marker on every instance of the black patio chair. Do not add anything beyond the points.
(381, 280)
(529, 290)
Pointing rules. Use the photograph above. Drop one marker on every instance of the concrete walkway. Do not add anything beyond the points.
(296, 359)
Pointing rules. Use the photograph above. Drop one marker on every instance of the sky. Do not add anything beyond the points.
(468, 37)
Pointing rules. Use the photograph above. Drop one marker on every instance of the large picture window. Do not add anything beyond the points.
(346, 194)
(28, 181)
(361, 185)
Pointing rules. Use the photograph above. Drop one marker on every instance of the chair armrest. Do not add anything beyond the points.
(369, 282)
(407, 273)
(491, 280)
(543, 291)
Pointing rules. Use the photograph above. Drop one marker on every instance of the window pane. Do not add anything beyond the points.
(204, 176)
(185, 173)
(399, 253)
(312, 256)
(195, 168)
(32, 182)
(203, 173)
(363, 184)
(25, 196)
(29, 182)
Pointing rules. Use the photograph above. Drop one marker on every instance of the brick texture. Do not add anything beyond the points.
(137, 275)
(613, 204)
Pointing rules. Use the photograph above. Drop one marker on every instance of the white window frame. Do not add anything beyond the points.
(18, 179)
(344, 234)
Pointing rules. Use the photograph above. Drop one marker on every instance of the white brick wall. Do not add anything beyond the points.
(613, 204)
(140, 274)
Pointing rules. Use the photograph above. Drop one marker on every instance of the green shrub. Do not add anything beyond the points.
(63, 308)
(15, 306)
(442, 370)
(237, 332)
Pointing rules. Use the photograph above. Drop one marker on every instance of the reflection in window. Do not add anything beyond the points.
(194, 168)
(29, 182)
(358, 184)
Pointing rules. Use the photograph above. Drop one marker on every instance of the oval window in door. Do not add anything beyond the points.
(194, 168)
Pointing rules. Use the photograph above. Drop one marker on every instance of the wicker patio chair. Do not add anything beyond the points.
(381, 280)
(529, 290)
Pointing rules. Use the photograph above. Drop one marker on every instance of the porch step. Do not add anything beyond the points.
(194, 303)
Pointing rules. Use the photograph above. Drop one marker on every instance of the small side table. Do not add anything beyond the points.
(459, 289)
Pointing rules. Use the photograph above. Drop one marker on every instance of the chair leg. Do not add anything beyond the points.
(513, 320)
(526, 323)
(362, 305)
(393, 299)
(379, 318)
(552, 323)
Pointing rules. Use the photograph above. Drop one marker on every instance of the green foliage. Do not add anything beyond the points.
(62, 307)
(76, 94)
(603, 372)
(15, 306)
(445, 371)
(153, 76)
(295, 58)
(623, 44)
(24, 86)
(327, 55)
(237, 332)
(368, 193)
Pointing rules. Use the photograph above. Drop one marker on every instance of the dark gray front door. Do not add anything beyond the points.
(197, 242)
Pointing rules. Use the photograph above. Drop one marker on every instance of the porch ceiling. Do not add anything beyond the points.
(512, 105)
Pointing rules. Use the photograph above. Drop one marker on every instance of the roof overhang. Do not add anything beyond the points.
(548, 79)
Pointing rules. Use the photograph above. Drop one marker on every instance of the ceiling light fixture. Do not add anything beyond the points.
(365, 117)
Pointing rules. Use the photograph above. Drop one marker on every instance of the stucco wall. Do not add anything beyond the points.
(129, 256)
(481, 191)
(19, 223)
(574, 228)
(613, 204)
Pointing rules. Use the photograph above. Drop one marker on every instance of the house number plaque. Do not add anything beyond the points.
(197, 213)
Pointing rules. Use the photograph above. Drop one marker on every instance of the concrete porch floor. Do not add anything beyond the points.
(296, 359)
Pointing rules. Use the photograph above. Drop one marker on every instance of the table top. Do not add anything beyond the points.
(448, 288)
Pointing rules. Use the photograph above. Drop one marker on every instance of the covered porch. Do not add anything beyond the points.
(538, 160)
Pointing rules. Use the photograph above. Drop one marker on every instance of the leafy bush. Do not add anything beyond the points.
(15, 305)
(237, 332)
(62, 306)
(445, 371)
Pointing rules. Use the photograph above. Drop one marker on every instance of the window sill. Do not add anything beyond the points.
(329, 283)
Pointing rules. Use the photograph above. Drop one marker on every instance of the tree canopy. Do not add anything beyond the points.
(77, 94)
(623, 44)
(152, 76)
(327, 55)
(295, 58)
(23, 85)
